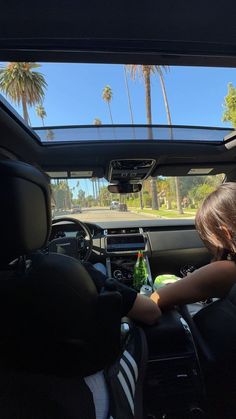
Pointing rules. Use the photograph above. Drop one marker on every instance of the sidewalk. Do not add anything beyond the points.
(157, 216)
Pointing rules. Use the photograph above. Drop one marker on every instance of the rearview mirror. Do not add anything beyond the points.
(125, 188)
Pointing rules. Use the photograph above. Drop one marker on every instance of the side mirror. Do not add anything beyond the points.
(125, 188)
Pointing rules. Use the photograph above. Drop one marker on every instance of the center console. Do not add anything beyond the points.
(174, 388)
(121, 247)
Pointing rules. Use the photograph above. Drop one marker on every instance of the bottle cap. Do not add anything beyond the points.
(140, 254)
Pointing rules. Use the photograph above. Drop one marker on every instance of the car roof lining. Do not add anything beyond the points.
(170, 32)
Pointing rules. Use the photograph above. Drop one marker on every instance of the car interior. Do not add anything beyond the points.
(191, 371)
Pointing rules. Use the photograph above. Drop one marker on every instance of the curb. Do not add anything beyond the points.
(146, 214)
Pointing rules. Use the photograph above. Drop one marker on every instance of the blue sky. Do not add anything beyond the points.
(74, 96)
(196, 95)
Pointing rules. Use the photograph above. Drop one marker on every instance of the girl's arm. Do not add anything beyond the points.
(144, 310)
(213, 280)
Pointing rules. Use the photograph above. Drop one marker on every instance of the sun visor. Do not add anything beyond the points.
(77, 173)
(193, 170)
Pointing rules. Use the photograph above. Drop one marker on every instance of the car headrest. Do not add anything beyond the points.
(25, 210)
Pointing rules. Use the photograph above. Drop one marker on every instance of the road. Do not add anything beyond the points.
(98, 214)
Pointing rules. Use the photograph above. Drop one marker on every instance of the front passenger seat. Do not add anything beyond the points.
(216, 325)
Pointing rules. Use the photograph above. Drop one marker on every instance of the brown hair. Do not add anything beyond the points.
(218, 213)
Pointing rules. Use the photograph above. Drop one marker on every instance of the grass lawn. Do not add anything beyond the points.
(162, 213)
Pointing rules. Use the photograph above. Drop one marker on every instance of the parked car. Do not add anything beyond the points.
(76, 210)
(123, 207)
(114, 205)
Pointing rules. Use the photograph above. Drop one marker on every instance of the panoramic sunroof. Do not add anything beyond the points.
(131, 133)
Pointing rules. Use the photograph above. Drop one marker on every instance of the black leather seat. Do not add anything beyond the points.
(53, 321)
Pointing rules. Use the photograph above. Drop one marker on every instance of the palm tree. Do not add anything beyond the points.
(132, 123)
(97, 121)
(107, 97)
(23, 85)
(40, 110)
(50, 135)
(164, 94)
(145, 71)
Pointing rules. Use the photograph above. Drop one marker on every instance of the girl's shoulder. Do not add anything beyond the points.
(218, 267)
(228, 265)
(220, 276)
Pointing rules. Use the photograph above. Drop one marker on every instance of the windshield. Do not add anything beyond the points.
(89, 199)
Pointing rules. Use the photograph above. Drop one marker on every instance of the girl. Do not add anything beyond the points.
(216, 225)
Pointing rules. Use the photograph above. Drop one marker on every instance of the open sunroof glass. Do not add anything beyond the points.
(131, 133)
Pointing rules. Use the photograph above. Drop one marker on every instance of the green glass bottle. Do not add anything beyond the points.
(140, 274)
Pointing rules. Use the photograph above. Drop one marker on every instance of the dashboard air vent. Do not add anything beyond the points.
(134, 230)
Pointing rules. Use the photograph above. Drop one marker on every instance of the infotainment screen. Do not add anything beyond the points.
(121, 243)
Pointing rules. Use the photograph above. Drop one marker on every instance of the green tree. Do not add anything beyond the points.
(165, 187)
(23, 85)
(105, 196)
(107, 97)
(63, 195)
(41, 113)
(187, 183)
(196, 188)
(198, 193)
(229, 114)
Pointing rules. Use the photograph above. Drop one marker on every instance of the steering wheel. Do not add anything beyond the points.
(72, 246)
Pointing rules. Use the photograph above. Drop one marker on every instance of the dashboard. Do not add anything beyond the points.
(168, 245)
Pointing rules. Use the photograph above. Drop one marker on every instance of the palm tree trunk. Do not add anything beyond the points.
(93, 189)
(99, 197)
(163, 88)
(96, 188)
(141, 198)
(128, 95)
(177, 185)
(109, 106)
(155, 204)
(178, 197)
(146, 73)
(25, 111)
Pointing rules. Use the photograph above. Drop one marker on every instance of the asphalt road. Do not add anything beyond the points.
(95, 215)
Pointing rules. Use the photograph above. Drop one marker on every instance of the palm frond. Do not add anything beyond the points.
(19, 79)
